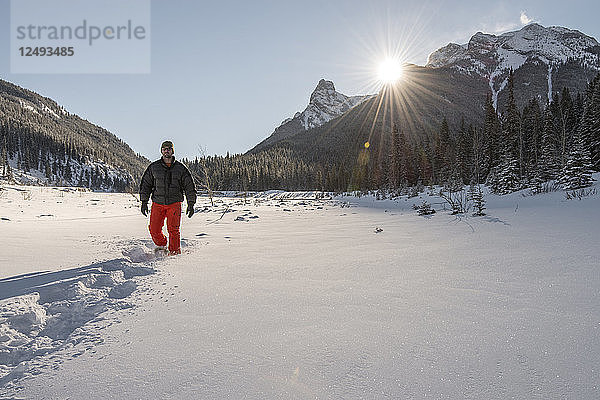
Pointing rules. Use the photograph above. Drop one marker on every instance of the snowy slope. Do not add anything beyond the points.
(491, 56)
(297, 299)
(108, 173)
(486, 52)
(47, 145)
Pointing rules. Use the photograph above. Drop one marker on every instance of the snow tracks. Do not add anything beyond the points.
(44, 312)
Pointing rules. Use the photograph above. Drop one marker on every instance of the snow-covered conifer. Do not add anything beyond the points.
(577, 173)
(476, 196)
(508, 174)
(547, 167)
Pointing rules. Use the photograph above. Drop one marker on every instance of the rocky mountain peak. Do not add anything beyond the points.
(534, 26)
(539, 48)
(551, 45)
(481, 41)
(324, 92)
(325, 104)
(324, 85)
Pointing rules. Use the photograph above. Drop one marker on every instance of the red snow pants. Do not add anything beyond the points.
(172, 213)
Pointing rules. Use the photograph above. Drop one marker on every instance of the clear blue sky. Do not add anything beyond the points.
(225, 74)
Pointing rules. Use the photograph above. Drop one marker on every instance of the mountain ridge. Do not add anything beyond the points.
(324, 105)
(434, 106)
(457, 78)
(492, 56)
(42, 143)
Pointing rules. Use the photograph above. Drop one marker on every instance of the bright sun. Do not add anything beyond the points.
(390, 71)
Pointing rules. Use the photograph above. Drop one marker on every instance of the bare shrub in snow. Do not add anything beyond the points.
(543, 187)
(579, 194)
(204, 180)
(454, 194)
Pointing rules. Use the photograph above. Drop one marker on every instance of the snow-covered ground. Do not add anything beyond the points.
(282, 297)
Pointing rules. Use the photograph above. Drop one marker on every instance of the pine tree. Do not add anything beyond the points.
(464, 152)
(594, 124)
(511, 127)
(424, 165)
(577, 172)
(532, 127)
(508, 174)
(424, 209)
(478, 151)
(47, 169)
(394, 164)
(443, 159)
(476, 196)
(547, 167)
(566, 124)
(4, 157)
(492, 141)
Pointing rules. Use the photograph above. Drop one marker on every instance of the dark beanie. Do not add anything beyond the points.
(166, 143)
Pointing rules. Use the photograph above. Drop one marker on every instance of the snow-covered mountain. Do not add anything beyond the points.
(452, 87)
(41, 143)
(491, 56)
(325, 104)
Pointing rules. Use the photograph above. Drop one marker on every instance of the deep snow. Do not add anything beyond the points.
(288, 297)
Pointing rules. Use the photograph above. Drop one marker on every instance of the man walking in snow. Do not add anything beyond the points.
(167, 180)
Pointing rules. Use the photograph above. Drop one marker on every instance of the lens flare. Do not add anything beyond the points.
(389, 71)
(384, 60)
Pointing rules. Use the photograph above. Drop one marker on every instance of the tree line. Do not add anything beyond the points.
(511, 150)
(508, 151)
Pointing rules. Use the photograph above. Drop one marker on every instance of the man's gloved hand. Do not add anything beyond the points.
(190, 210)
(145, 208)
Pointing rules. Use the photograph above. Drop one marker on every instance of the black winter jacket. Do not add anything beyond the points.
(167, 184)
